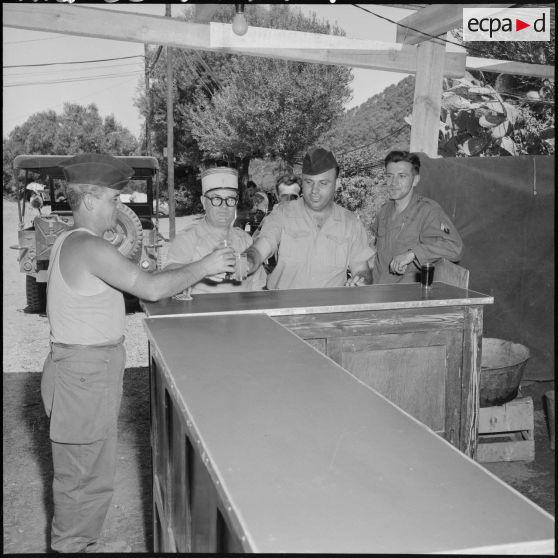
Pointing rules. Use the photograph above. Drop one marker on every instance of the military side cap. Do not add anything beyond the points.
(97, 169)
(219, 177)
(318, 160)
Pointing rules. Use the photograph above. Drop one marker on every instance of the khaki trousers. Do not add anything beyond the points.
(81, 390)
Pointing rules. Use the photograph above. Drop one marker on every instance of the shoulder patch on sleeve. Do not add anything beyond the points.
(444, 228)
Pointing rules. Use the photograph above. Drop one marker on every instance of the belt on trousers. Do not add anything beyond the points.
(107, 345)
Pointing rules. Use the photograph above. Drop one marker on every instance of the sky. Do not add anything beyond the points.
(113, 85)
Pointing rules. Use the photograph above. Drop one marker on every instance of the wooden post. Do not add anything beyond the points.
(170, 137)
(428, 97)
(147, 102)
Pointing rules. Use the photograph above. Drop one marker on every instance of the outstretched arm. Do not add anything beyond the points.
(105, 262)
(257, 253)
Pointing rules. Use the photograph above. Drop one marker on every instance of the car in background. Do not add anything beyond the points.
(136, 234)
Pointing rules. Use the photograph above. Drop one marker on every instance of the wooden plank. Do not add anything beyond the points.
(512, 450)
(452, 274)
(435, 20)
(137, 27)
(472, 354)
(513, 416)
(368, 322)
(411, 373)
(219, 37)
(335, 466)
(427, 102)
(509, 67)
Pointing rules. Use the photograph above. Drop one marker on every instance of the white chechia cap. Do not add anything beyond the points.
(219, 177)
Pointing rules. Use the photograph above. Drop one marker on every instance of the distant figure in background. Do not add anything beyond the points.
(36, 201)
(288, 188)
(219, 199)
(261, 202)
(248, 195)
(410, 229)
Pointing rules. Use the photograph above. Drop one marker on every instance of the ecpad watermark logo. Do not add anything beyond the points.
(510, 24)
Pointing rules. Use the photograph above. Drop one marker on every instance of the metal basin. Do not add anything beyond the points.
(502, 366)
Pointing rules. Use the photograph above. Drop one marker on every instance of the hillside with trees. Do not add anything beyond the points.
(379, 121)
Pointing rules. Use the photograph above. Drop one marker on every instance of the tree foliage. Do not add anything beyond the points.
(235, 108)
(490, 114)
(378, 122)
(78, 129)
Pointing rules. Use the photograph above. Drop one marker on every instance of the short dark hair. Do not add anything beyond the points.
(403, 156)
(287, 180)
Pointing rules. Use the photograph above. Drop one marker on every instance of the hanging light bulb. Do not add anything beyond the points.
(239, 25)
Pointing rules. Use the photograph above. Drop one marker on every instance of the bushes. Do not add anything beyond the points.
(363, 194)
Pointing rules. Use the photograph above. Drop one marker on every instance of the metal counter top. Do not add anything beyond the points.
(319, 301)
(306, 458)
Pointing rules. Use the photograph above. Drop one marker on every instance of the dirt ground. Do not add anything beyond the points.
(27, 466)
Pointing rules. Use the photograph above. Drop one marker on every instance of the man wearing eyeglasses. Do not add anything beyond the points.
(316, 240)
(219, 199)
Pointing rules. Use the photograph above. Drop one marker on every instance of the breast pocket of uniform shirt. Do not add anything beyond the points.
(294, 245)
(338, 250)
(80, 410)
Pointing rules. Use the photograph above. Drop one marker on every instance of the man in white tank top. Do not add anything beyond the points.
(81, 385)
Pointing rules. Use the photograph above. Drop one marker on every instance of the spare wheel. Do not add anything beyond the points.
(127, 235)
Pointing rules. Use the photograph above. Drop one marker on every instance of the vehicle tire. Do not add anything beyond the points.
(36, 295)
(127, 236)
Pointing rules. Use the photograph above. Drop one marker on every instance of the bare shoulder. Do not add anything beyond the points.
(89, 249)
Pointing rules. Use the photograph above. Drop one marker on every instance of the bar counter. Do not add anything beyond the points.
(420, 349)
(319, 301)
(261, 444)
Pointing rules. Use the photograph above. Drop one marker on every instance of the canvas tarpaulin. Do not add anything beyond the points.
(503, 208)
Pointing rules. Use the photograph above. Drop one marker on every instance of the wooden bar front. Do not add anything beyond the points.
(419, 349)
(262, 444)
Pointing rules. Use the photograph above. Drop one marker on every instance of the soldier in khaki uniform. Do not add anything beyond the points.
(81, 385)
(316, 240)
(219, 199)
(410, 228)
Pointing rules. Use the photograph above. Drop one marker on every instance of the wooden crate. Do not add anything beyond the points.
(506, 432)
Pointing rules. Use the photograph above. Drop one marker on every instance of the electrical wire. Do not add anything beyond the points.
(75, 62)
(196, 73)
(75, 80)
(33, 40)
(209, 70)
(437, 39)
(49, 72)
(88, 96)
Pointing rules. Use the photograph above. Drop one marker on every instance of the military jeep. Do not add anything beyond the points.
(136, 234)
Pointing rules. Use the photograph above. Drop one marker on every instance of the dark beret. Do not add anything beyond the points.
(97, 169)
(318, 160)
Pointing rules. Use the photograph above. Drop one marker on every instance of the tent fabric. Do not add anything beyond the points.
(503, 208)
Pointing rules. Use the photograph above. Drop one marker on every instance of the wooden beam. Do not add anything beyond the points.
(427, 101)
(328, 49)
(435, 20)
(509, 67)
(304, 47)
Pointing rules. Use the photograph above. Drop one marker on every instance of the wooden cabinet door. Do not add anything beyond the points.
(418, 371)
